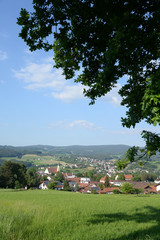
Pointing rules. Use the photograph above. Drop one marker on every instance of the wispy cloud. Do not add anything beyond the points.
(3, 55)
(42, 76)
(38, 76)
(113, 97)
(27, 51)
(83, 124)
(69, 93)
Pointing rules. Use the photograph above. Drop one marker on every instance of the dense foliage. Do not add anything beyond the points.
(16, 175)
(12, 175)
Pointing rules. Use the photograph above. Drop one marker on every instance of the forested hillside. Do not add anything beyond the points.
(101, 151)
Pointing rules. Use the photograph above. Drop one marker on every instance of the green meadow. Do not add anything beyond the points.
(36, 160)
(55, 215)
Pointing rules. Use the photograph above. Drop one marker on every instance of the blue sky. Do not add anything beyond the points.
(38, 106)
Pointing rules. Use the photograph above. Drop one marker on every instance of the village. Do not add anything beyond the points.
(105, 185)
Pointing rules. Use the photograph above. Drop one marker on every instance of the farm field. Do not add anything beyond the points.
(55, 215)
(37, 160)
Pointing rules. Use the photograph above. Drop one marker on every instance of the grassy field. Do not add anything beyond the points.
(36, 160)
(55, 215)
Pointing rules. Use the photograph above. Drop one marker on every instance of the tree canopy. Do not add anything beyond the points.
(12, 175)
(105, 40)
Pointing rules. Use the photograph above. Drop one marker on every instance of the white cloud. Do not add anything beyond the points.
(3, 55)
(113, 97)
(69, 93)
(83, 124)
(75, 124)
(27, 51)
(43, 76)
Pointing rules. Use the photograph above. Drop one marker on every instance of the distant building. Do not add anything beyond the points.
(50, 170)
(44, 185)
(85, 180)
(128, 177)
(69, 175)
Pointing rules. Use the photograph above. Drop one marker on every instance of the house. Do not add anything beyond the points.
(150, 189)
(157, 181)
(59, 186)
(128, 177)
(108, 190)
(49, 178)
(117, 183)
(44, 185)
(82, 185)
(158, 187)
(89, 189)
(94, 184)
(73, 181)
(85, 180)
(102, 180)
(51, 170)
(69, 175)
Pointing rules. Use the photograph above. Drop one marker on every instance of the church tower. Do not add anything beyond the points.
(58, 168)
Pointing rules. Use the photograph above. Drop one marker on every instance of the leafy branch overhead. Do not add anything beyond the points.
(105, 40)
(135, 154)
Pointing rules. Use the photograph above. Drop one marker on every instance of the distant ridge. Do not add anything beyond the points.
(95, 151)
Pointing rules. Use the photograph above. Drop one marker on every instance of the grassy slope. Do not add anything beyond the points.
(54, 215)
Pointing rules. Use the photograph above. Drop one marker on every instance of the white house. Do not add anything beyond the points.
(158, 187)
(50, 170)
(157, 181)
(44, 185)
(85, 180)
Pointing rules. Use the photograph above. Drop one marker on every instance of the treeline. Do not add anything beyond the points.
(16, 175)
(8, 151)
(101, 152)
(139, 176)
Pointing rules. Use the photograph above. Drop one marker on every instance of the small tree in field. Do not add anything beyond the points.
(77, 187)
(59, 177)
(127, 188)
(116, 191)
(106, 184)
(66, 186)
(138, 190)
(101, 186)
(121, 177)
(52, 185)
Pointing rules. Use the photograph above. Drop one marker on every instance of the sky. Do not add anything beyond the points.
(37, 104)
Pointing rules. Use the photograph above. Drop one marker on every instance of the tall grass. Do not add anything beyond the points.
(55, 215)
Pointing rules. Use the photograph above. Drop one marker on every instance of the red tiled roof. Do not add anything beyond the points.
(150, 189)
(76, 179)
(52, 170)
(83, 185)
(108, 189)
(128, 177)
